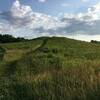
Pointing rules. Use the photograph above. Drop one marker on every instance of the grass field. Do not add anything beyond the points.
(54, 68)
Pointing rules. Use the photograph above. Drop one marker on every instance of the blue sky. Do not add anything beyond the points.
(78, 19)
(52, 7)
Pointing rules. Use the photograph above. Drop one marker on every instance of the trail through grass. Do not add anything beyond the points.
(54, 68)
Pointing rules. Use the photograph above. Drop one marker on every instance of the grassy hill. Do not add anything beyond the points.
(54, 68)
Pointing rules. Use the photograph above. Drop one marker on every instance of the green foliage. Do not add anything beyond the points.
(94, 41)
(2, 52)
(10, 39)
(51, 69)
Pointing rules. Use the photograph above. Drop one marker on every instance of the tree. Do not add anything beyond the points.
(9, 39)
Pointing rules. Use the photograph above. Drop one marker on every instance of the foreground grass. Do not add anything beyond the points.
(54, 69)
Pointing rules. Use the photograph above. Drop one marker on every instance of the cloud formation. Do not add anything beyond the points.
(84, 23)
(21, 20)
(22, 16)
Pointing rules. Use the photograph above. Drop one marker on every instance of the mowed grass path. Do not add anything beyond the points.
(14, 51)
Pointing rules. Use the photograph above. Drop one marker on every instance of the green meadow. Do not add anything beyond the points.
(50, 68)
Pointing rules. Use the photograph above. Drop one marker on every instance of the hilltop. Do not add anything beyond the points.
(61, 46)
(50, 68)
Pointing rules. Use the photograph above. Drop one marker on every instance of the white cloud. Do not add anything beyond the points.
(4, 28)
(94, 11)
(92, 14)
(21, 20)
(22, 16)
(34, 19)
(19, 10)
(42, 1)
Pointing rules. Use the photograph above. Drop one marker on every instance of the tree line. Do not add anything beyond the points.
(6, 38)
(94, 41)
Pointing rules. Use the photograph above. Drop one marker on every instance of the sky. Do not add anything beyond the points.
(77, 19)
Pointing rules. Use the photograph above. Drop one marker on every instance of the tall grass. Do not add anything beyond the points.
(53, 72)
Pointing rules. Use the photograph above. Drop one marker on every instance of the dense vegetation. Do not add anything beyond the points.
(54, 68)
(2, 52)
(6, 38)
(94, 41)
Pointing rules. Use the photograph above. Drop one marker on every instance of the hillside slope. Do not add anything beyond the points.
(67, 47)
(54, 68)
